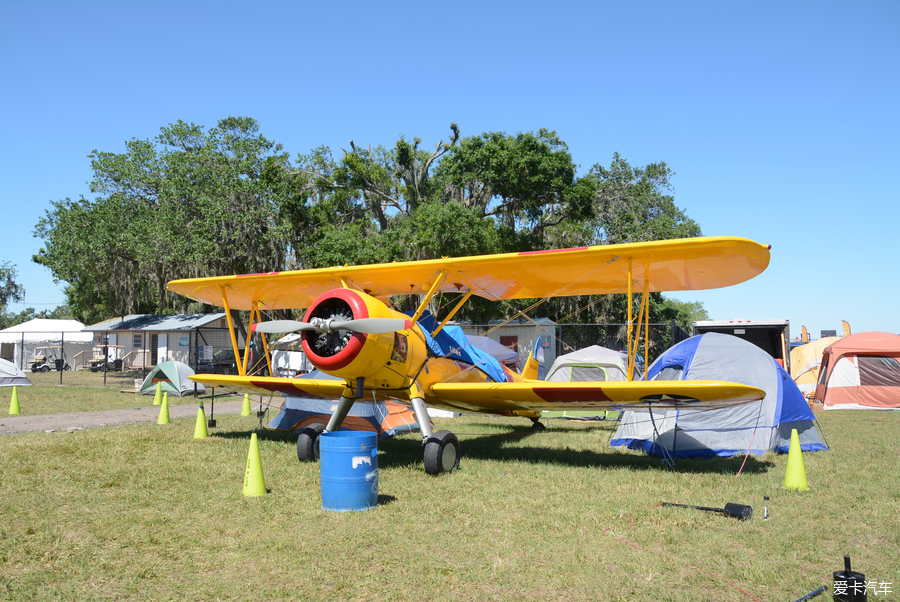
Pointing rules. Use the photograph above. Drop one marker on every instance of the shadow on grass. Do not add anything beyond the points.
(402, 452)
(286, 437)
(406, 451)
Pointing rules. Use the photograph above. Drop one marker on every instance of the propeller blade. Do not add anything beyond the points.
(372, 325)
(281, 326)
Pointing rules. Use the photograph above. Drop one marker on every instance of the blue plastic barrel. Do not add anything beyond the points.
(348, 470)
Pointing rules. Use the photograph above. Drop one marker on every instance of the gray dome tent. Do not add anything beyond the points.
(756, 427)
(593, 363)
(11, 376)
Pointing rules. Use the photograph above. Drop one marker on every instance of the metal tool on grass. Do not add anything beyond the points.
(738, 511)
(812, 594)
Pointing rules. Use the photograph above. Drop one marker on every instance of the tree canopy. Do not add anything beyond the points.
(10, 290)
(197, 202)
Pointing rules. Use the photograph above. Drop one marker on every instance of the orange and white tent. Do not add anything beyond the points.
(861, 372)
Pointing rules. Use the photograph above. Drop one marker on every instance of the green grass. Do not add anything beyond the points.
(144, 511)
(81, 391)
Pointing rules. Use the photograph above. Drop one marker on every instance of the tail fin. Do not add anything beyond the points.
(531, 369)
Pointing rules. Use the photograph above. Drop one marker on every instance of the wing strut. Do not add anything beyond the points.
(628, 341)
(265, 343)
(255, 318)
(234, 345)
(452, 313)
(427, 298)
(633, 334)
(250, 322)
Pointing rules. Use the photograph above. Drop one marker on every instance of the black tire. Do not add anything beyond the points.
(45, 368)
(441, 453)
(308, 442)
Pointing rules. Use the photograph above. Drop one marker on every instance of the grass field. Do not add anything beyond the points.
(81, 391)
(144, 511)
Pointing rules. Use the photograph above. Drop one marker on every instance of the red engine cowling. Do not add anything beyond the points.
(386, 361)
(331, 351)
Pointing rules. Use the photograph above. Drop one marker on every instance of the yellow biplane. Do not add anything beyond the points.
(351, 331)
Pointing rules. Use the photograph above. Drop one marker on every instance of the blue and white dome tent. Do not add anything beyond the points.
(755, 427)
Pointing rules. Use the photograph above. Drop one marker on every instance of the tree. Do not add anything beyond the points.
(10, 290)
(526, 182)
(188, 203)
(195, 202)
(630, 204)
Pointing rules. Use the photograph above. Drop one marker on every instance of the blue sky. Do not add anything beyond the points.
(780, 120)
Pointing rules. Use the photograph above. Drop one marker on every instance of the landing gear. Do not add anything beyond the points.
(441, 452)
(537, 425)
(308, 442)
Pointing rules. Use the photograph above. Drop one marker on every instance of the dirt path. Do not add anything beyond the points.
(81, 420)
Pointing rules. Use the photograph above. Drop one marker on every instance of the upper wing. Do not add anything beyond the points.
(539, 395)
(266, 385)
(666, 265)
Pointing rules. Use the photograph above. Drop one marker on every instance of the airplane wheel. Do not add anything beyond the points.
(308, 442)
(441, 453)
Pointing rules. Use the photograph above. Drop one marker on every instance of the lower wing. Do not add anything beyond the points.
(266, 385)
(634, 395)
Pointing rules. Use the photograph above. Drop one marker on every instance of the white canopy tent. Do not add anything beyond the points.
(18, 343)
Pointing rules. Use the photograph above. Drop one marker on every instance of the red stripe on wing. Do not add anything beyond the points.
(574, 394)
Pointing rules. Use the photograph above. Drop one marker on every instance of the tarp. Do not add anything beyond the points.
(754, 427)
(501, 353)
(173, 377)
(861, 372)
(451, 342)
(10, 376)
(805, 362)
(382, 417)
(593, 363)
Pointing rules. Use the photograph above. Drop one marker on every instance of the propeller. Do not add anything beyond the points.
(364, 325)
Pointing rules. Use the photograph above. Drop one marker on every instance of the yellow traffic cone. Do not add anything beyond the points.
(157, 396)
(245, 409)
(200, 431)
(164, 410)
(795, 473)
(254, 482)
(14, 409)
